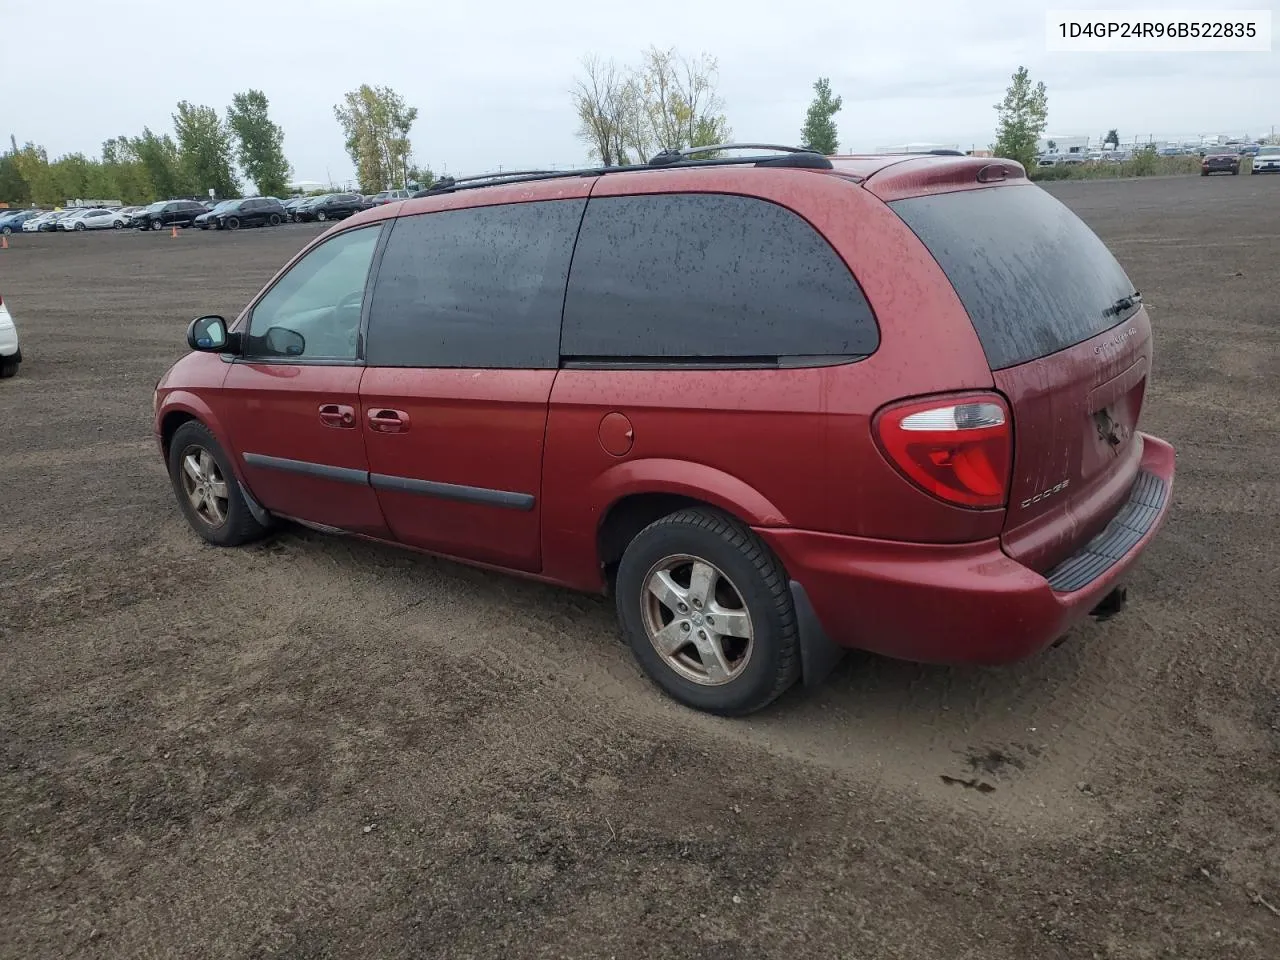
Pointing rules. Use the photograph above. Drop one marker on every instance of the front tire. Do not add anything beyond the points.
(6, 230)
(79, 227)
(157, 225)
(8, 367)
(232, 223)
(274, 220)
(322, 216)
(207, 489)
(707, 610)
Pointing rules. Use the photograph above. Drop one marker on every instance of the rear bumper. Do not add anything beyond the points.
(967, 603)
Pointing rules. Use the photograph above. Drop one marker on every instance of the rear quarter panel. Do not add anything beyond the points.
(774, 447)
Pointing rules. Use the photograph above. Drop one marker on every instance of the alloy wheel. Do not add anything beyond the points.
(204, 485)
(696, 620)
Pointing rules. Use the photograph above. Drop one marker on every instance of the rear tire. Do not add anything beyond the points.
(8, 368)
(744, 586)
(223, 518)
(6, 230)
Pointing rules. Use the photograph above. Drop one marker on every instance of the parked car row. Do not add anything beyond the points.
(212, 215)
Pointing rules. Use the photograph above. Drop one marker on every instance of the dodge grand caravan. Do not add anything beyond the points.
(778, 405)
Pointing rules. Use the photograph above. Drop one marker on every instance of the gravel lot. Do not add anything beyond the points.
(323, 748)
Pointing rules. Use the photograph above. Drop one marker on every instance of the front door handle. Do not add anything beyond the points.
(338, 415)
(383, 420)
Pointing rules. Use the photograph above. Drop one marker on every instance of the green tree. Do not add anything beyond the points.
(819, 131)
(32, 163)
(14, 188)
(126, 171)
(422, 176)
(1021, 119)
(158, 156)
(260, 143)
(204, 151)
(1112, 138)
(376, 123)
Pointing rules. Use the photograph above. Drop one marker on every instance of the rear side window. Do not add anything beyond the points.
(480, 287)
(711, 277)
(1033, 277)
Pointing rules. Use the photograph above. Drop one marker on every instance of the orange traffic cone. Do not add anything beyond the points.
(4, 242)
(175, 231)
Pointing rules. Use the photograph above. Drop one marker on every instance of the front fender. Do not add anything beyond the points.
(684, 478)
(183, 401)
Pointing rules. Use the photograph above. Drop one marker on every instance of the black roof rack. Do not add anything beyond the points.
(688, 157)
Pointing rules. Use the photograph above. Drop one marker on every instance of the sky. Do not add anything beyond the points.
(492, 79)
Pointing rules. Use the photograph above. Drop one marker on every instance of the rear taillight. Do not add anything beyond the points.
(958, 448)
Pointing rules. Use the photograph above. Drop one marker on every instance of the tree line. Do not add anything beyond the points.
(626, 113)
(200, 154)
(210, 151)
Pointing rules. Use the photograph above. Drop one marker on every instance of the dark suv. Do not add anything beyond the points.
(777, 405)
(251, 212)
(335, 206)
(169, 213)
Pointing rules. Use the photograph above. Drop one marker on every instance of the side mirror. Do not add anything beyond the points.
(207, 334)
(283, 342)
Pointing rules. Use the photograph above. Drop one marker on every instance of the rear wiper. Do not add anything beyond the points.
(1123, 304)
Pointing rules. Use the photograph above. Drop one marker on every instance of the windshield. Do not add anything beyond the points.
(225, 204)
(1269, 152)
(157, 207)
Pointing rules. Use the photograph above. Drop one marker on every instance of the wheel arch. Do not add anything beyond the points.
(180, 407)
(635, 493)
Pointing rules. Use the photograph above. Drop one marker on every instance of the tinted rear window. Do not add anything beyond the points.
(480, 287)
(709, 276)
(1034, 278)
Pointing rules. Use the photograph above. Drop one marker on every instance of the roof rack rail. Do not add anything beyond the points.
(686, 158)
(667, 157)
(446, 183)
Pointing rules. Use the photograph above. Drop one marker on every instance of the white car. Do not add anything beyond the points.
(10, 354)
(95, 219)
(35, 224)
(1267, 160)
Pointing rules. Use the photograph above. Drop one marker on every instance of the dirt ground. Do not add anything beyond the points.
(321, 748)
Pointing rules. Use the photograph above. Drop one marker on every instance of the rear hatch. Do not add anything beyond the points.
(1068, 343)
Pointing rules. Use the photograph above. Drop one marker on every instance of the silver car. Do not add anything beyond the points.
(95, 219)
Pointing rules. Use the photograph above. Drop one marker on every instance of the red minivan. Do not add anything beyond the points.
(778, 404)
